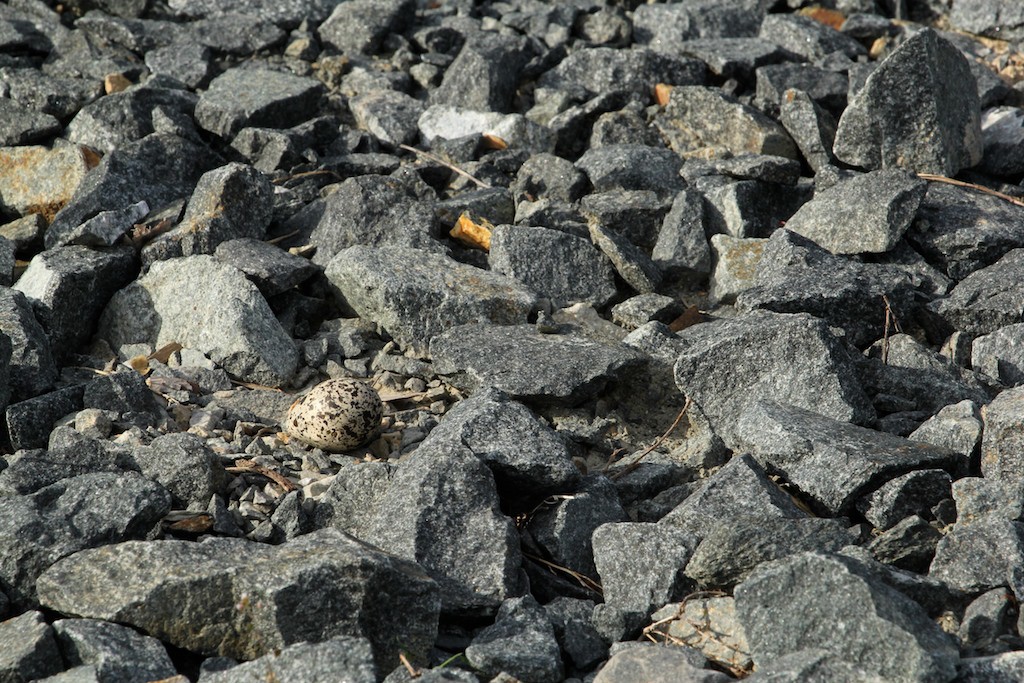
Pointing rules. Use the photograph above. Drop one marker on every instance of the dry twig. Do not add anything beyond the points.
(973, 186)
(890, 321)
(439, 160)
(249, 467)
(657, 442)
(584, 580)
(413, 671)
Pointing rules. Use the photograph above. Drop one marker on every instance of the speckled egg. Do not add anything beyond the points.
(336, 415)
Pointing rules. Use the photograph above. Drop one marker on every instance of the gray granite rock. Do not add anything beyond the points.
(589, 72)
(362, 25)
(353, 499)
(739, 489)
(826, 89)
(581, 644)
(1001, 129)
(637, 311)
(1001, 456)
(118, 653)
(49, 93)
(737, 545)
(734, 266)
(632, 167)
(914, 493)
(529, 460)
(340, 658)
(185, 466)
(32, 370)
(391, 116)
(812, 128)
(682, 248)
(70, 286)
(85, 511)
(909, 544)
(546, 176)
(808, 38)
(784, 609)
(272, 269)
(987, 299)
(701, 117)
(109, 122)
(30, 470)
(730, 57)
(186, 60)
(1000, 355)
(664, 26)
(631, 263)
(207, 305)
(36, 180)
(557, 265)
(924, 84)
(831, 462)
(415, 295)
(29, 651)
(441, 511)
(981, 554)
(29, 422)
(527, 364)
(985, 619)
(866, 214)
(956, 427)
(1001, 19)
(242, 97)
(795, 275)
(23, 126)
(657, 664)
(245, 599)
(521, 643)
(485, 73)
(728, 364)
(106, 228)
(634, 214)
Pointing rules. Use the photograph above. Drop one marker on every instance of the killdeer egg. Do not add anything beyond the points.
(336, 415)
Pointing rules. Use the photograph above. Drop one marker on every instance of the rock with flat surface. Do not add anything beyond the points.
(1000, 355)
(243, 97)
(521, 643)
(594, 71)
(38, 180)
(980, 554)
(29, 651)
(118, 654)
(341, 658)
(987, 299)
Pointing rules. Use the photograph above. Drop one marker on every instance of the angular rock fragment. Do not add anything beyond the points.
(1003, 19)
(682, 247)
(826, 90)
(185, 466)
(244, 599)
(829, 461)
(914, 493)
(808, 38)
(30, 470)
(734, 267)
(630, 262)
(32, 370)
(111, 121)
(360, 26)
(812, 128)
(528, 365)
(341, 658)
(663, 26)
(783, 610)
(728, 57)
(632, 167)
(866, 214)
(1002, 442)
(49, 93)
(29, 649)
(595, 71)
(520, 643)
(981, 554)
(201, 303)
(415, 295)
(389, 115)
(956, 427)
(37, 180)
(1000, 355)
(116, 652)
(909, 544)
(987, 299)
(633, 214)
(29, 422)
(484, 74)
(242, 97)
(691, 621)
(657, 663)
(272, 269)
(23, 126)
(728, 364)
(923, 85)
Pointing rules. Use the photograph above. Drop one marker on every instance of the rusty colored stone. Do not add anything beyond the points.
(39, 180)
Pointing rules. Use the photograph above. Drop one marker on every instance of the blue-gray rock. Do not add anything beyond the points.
(117, 653)
(637, 311)
(632, 167)
(245, 599)
(521, 643)
(206, 305)
(416, 295)
(985, 619)
(789, 357)
(69, 288)
(866, 214)
(29, 649)
(784, 609)
(242, 97)
(831, 462)
(238, 34)
(987, 299)
(340, 658)
(581, 644)
(682, 249)
(527, 364)
(557, 265)
(747, 207)
(924, 84)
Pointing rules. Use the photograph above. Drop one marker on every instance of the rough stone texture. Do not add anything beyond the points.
(117, 653)
(909, 544)
(415, 295)
(28, 650)
(726, 365)
(914, 493)
(109, 122)
(707, 624)
(831, 462)
(85, 511)
(70, 286)
(866, 214)
(40, 180)
(980, 554)
(784, 609)
(29, 422)
(484, 74)
(1001, 129)
(1002, 442)
(22, 126)
(987, 299)
(521, 643)
(1000, 355)
(594, 71)
(634, 266)
(340, 658)
(183, 463)
(557, 265)
(632, 167)
(32, 370)
(272, 269)
(682, 248)
(389, 115)
(242, 97)
(808, 38)
(206, 305)
(923, 85)
(359, 26)
(956, 427)
(1003, 19)
(527, 364)
(30, 470)
(1002, 668)
(246, 599)
(812, 128)
(735, 262)
(657, 664)
(546, 176)
(698, 117)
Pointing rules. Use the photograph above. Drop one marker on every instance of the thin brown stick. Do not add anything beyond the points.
(439, 160)
(891, 321)
(657, 442)
(584, 580)
(974, 186)
(249, 467)
(413, 671)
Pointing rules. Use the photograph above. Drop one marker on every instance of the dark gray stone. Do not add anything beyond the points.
(581, 644)
(185, 466)
(158, 169)
(793, 358)
(591, 72)
(1002, 441)
(639, 310)
(391, 116)
(981, 554)
(527, 364)
(985, 619)
(1003, 19)
(22, 126)
(85, 511)
(956, 427)
(866, 214)
(272, 269)
(32, 370)
(30, 470)
(106, 228)
(961, 231)
(634, 266)
(747, 208)
(656, 663)
(987, 299)
(784, 609)
(914, 493)
(739, 489)
(206, 305)
(812, 128)
(924, 84)
(632, 167)
(242, 97)
(826, 89)
(546, 176)
(187, 61)
(1000, 355)
(360, 26)
(664, 26)
(28, 651)
(285, 13)
(340, 658)
(441, 511)
(634, 214)
(110, 122)
(1002, 132)
(49, 93)
(70, 286)
(415, 295)
(521, 643)
(353, 499)
(529, 460)
(795, 275)
(729, 57)
(29, 422)
(237, 34)
(737, 545)
(682, 248)
(808, 38)
(909, 544)
(1002, 668)
(831, 462)
(485, 74)
(810, 664)
(559, 266)
(123, 391)
(118, 653)
(701, 117)
(245, 599)
(745, 166)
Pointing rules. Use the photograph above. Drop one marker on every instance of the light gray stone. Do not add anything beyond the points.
(340, 658)
(117, 653)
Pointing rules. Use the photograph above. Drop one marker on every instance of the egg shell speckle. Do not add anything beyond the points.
(336, 415)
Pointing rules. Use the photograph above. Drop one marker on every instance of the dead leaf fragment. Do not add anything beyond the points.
(473, 233)
(662, 93)
(139, 364)
(115, 83)
(829, 17)
(164, 353)
(690, 317)
(493, 142)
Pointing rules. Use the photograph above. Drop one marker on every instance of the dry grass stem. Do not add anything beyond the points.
(584, 580)
(439, 160)
(657, 442)
(973, 186)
